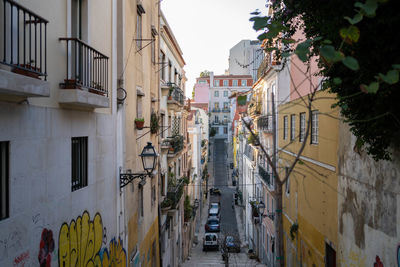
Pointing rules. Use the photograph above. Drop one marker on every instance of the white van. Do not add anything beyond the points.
(210, 241)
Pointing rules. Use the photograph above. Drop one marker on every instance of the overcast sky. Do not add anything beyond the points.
(207, 29)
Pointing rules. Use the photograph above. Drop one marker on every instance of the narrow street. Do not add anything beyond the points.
(229, 224)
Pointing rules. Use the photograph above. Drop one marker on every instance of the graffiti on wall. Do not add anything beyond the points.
(80, 244)
(12, 242)
(21, 259)
(378, 262)
(46, 247)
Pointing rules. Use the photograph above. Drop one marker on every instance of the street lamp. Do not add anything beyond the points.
(149, 159)
(261, 209)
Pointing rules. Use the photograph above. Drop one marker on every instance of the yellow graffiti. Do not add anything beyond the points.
(80, 244)
(353, 259)
(116, 256)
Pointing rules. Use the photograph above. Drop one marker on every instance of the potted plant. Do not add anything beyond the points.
(139, 122)
(170, 93)
(166, 204)
(97, 88)
(154, 123)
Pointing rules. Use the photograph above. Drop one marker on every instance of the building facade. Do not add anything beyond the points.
(59, 159)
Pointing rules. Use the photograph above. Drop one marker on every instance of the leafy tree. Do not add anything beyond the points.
(204, 73)
(357, 54)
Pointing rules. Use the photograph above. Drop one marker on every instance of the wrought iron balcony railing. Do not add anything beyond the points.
(216, 110)
(265, 176)
(174, 144)
(176, 94)
(86, 67)
(174, 193)
(226, 110)
(264, 123)
(23, 38)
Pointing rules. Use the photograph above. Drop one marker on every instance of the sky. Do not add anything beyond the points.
(207, 29)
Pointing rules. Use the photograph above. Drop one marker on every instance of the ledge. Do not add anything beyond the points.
(13, 84)
(81, 98)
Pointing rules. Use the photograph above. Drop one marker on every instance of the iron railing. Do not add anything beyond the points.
(216, 110)
(177, 94)
(86, 67)
(226, 110)
(175, 143)
(24, 40)
(264, 123)
(174, 193)
(264, 175)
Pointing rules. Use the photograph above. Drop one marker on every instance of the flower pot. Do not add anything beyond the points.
(71, 84)
(139, 125)
(169, 97)
(97, 92)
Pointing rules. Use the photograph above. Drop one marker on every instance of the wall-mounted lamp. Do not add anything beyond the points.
(261, 209)
(149, 159)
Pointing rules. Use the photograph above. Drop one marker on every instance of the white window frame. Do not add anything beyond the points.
(216, 93)
(234, 82)
(243, 83)
(225, 83)
(225, 93)
(314, 127)
(216, 83)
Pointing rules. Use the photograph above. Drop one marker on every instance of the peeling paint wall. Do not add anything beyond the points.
(368, 206)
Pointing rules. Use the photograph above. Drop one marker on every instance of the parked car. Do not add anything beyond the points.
(213, 212)
(215, 191)
(232, 244)
(214, 205)
(212, 224)
(210, 241)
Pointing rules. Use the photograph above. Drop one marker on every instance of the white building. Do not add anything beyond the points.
(59, 156)
(245, 58)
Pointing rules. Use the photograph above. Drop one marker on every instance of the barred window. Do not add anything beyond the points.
(302, 126)
(79, 166)
(4, 180)
(292, 126)
(314, 127)
(285, 127)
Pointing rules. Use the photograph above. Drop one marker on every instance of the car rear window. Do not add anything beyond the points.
(211, 238)
(212, 221)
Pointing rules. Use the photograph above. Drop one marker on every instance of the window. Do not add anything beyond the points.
(202, 81)
(141, 200)
(140, 11)
(292, 126)
(4, 180)
(314, 127)
(285, 127)
(225, 82)
(330, 256)
(287, 182)
(162, 57)
(216, 105)
(78, 19)
(79, 166)
(153, 195)
(244, 82)
(226, 105)
(216, 119)
(302, 132)
(169, 71)
(235, 83)
(162, 125)
(216, 82)
(225, 93)
(225, 130)
(216, 93)
(153, 48)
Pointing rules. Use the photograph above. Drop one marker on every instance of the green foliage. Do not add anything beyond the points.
(188, 211)
(252, 139)
(357, 56)
(139, 119)
(204, 73)
(293, 230)
(213, 132)
(166, 203)
(154, 123)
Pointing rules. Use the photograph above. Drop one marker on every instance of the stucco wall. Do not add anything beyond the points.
(42, 206)
(368, 206)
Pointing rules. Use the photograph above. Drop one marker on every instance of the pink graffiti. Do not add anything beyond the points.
(378, 262)
(46, 248)
(21, 259)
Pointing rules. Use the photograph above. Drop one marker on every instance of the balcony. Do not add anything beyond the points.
(264, 175)
(23, 52)
(174, 145)
(226, 110)
(264, 123)
(216, 110)
(175, 192)
(176, 98)
(86, 80)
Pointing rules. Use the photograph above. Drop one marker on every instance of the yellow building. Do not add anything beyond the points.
(310, 195)
(139, 77)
